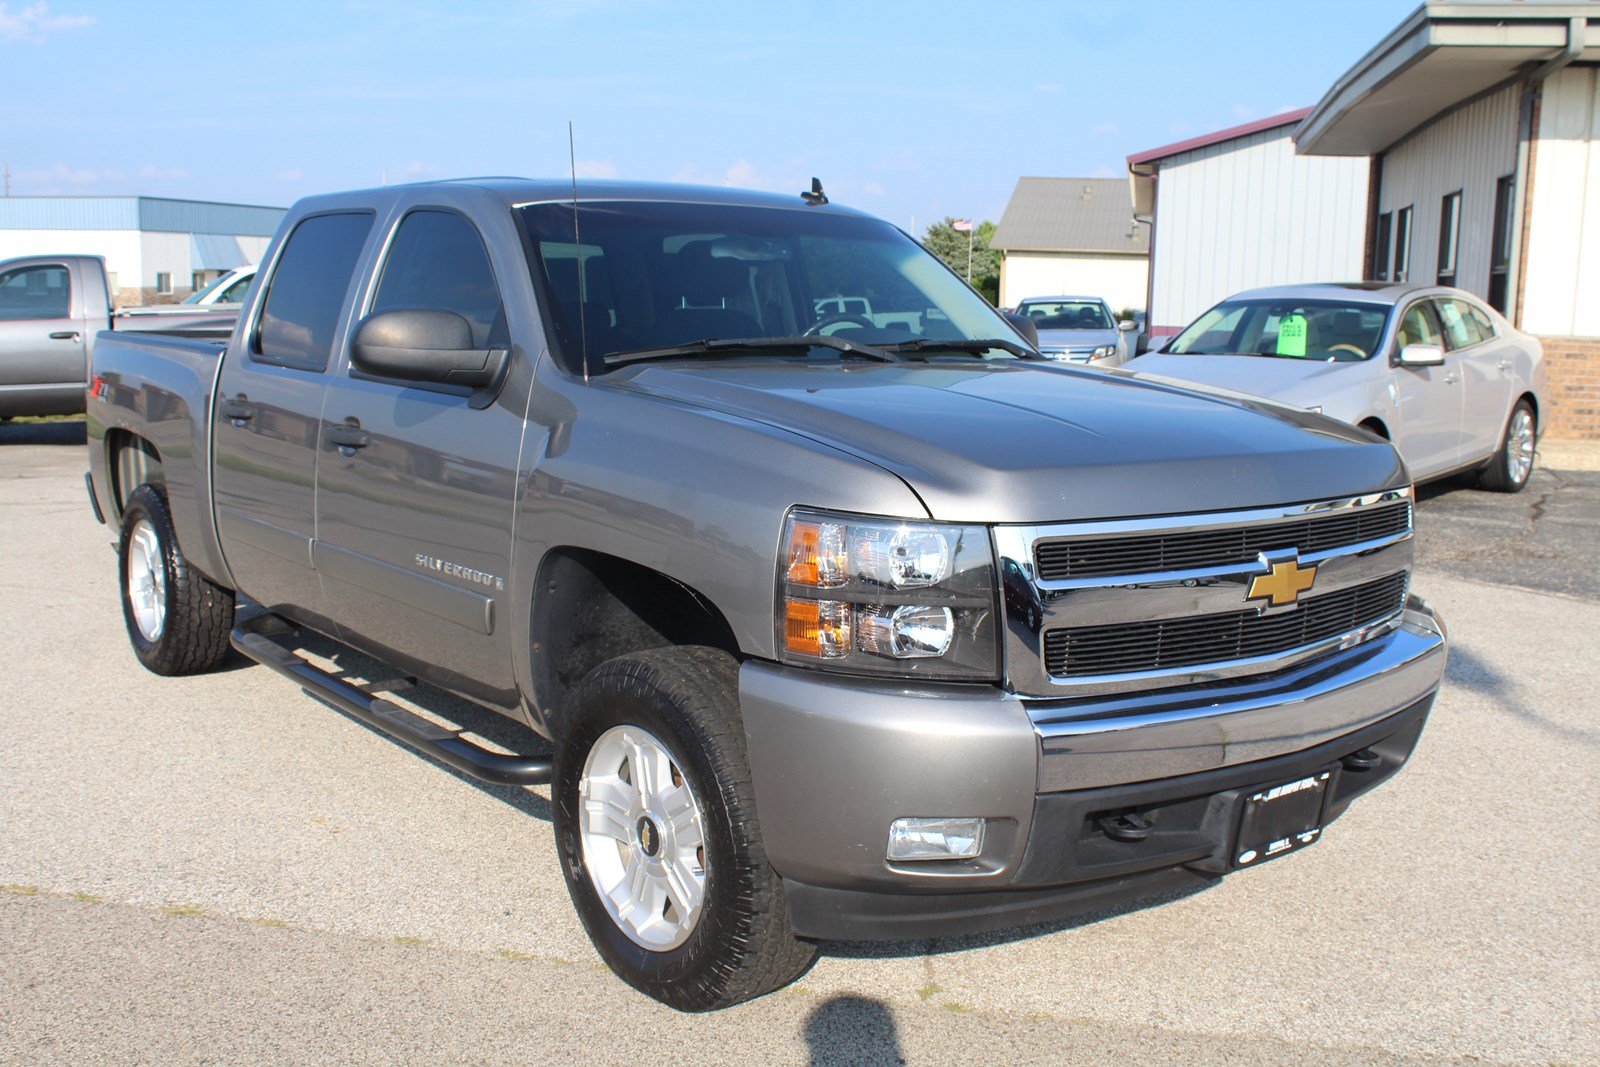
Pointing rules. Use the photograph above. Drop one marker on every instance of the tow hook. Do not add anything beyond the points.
(1362, 761)
(1126, 826)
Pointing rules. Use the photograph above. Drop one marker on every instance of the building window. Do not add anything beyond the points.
(197, 280)
(1402, 245)
(1380, 247)
(1500, 252)
(1449, 237)
(163, 282)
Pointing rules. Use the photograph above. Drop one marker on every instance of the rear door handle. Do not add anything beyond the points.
(65, 335)
(1450, 379)
(238, 411)
(347, 437)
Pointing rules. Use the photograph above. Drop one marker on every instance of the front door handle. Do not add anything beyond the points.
(238, 411)
(1450, 379)
(347, 437)
(65, 335)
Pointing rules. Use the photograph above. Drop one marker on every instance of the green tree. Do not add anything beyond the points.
(950, 245)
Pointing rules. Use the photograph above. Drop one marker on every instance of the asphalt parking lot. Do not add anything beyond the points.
(218, 869)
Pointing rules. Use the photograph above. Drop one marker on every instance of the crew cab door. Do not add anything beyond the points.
(416, 485)
(43, 334)
(1428, 399)
(268, 407)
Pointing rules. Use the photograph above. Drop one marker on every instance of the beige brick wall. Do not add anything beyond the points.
(1574, 366)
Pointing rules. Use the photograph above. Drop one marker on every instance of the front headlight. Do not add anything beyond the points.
(887, 596)
(1105, 351)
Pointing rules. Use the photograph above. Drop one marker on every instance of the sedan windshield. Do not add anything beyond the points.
(1329, 330)
(645, 277)
(1066, 314)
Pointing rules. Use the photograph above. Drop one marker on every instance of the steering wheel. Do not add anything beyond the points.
(859, 321)
(1360, 352)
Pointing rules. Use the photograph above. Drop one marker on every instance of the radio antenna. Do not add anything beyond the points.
(577, 256)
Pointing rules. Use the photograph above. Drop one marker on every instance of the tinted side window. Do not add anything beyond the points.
(437, 262)
(307, 290)
(43, 292)
(1460, 328)
(236, 292)
(1419, 327)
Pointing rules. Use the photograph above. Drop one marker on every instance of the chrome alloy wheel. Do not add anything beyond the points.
(1519, 446)
(643, 838)
(147, 581)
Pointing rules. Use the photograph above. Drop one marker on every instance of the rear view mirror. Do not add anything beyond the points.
(1025, 326)
(1127, 324)
(424, 346)
(1421, 356)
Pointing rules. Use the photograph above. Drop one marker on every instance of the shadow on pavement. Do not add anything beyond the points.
(461, 713)
(1469, 671)
(68, 432)
(849, 1029)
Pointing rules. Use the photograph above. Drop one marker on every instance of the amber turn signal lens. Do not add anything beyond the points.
(816, 628)
(803, 559)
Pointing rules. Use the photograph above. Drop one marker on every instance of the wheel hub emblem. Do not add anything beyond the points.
(649, 836)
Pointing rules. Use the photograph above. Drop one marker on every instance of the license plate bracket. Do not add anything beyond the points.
(1283, 817)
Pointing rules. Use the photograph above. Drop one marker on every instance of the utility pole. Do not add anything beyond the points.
(970, 228)
(8, 180)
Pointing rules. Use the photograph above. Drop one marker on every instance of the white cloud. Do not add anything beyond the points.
(62, 175)
(873, 189)
(33, 22)
(1244, 113)
(1101, 129)
(290, 175)
(150, 170)
(596, 168)
(1049, 87)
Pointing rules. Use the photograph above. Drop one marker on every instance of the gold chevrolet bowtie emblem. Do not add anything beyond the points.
(1283, 584)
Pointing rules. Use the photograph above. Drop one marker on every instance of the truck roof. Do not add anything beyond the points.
(518, 191)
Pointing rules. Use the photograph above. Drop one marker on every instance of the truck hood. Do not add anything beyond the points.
(1289, 381)
(1021, 442)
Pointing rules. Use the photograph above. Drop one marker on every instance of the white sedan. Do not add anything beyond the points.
(1435, 370)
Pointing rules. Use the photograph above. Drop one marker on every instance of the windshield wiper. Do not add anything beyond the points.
(930, 344)
(733, 346)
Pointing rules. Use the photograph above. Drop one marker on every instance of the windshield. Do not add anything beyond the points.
(658, 275)
(1293, 329)
(1067, 314)
(196, 297)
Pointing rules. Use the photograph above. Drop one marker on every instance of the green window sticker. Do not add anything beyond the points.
(1292, 335)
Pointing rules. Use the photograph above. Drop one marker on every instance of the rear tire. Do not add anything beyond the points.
(178, 619)
(1512, 464)
(678, 708)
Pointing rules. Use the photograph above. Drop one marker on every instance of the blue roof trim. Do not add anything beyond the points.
(137, 213)
(214, 251)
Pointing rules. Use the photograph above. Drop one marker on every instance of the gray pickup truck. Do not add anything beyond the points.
(51, 307)
(838, 629)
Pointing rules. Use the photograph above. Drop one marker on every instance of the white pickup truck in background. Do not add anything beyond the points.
(215, 306)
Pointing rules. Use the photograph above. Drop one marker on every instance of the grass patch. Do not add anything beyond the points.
(927, 992)
(512, 954)
(26, 419)
(279, 923)
(184, 909)
(22, 890)
(409, 941)
(957, 1007)
(87, 898)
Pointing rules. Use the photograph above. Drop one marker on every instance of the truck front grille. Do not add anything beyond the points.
(1162, 552)
(1165, 644)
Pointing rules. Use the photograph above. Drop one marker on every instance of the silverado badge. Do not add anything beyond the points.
(1283, 583)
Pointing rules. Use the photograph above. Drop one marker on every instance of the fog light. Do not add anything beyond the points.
(935, 839)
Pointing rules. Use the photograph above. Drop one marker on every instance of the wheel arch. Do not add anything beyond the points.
(1377, 426)
(132, 461)
(589, 607)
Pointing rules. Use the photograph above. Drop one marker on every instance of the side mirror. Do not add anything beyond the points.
(1025, 326)
(424, 346)
(1421, 356)
(1127, 325)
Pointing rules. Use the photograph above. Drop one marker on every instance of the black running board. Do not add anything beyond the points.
(253, 634)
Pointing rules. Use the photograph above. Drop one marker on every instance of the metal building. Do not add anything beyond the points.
(1071, 237)
(1237, 209)
(156, 250)
(1483, 123)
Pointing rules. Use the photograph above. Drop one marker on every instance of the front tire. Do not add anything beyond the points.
(178, 619)
(1512, 465)
(656, 825)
